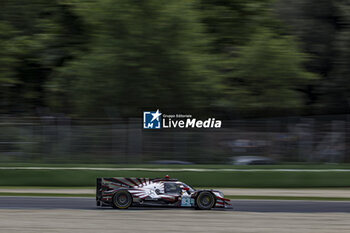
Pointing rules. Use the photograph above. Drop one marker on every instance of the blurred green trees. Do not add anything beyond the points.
(241, 58)
(266, 75)
(261, 67)
(337, 86)
(322, 28)
(140, 55)
(37, 37)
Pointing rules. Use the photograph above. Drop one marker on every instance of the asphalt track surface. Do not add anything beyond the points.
(262, 206)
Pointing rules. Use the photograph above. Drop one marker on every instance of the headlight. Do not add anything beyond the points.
(220, 194)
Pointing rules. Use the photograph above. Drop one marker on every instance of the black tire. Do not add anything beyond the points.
(122, 200)
(205, 201)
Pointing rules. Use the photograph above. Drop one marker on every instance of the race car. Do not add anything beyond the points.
(121, 193)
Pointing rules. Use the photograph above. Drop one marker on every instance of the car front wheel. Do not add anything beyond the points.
(205, 201)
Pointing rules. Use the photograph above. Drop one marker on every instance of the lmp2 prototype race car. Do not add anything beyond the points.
(122, 193)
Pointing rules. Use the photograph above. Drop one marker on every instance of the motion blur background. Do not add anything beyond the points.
(76, 75)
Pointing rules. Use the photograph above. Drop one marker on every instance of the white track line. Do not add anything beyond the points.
(174, 169)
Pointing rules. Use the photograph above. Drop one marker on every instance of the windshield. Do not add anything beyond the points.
(189, 186)
(172, 188)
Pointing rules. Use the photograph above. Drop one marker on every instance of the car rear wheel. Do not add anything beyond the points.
(122, 200)
(205, 201)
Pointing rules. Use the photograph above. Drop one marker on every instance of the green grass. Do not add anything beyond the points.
(46, 187)
(253, 197)
(45, 195)
(211, 166)
(233, 197)
(260, 179)
(93, 188)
